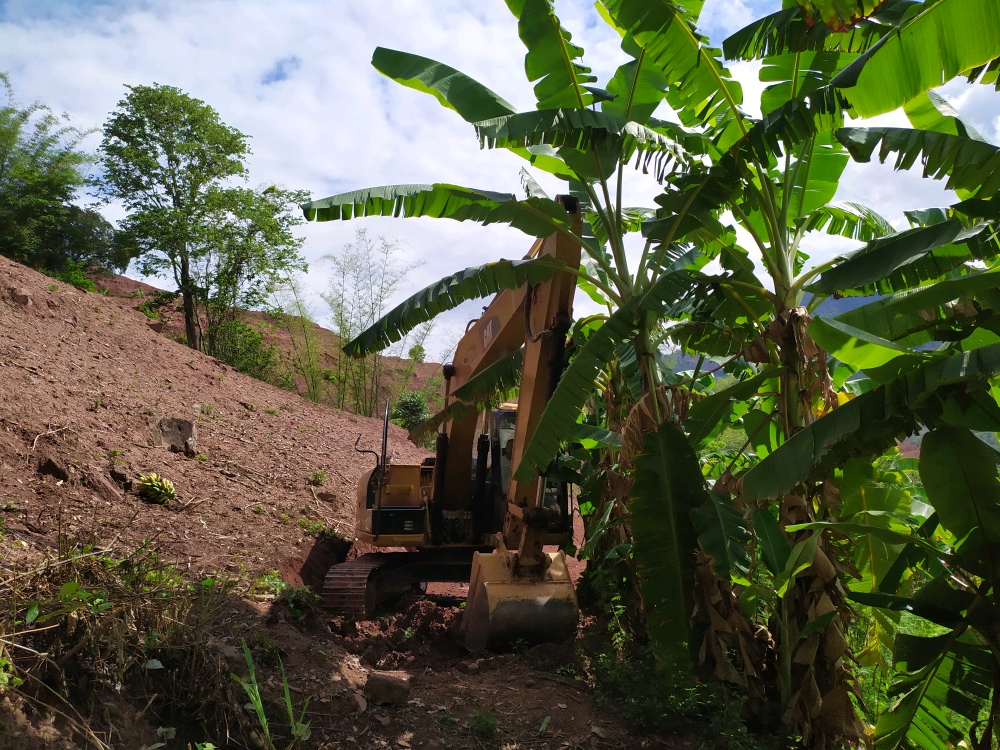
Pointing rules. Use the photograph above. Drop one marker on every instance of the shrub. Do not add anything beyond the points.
(311, 528)
(74, 274)
(156, 489)
(484, 724)
(410, 410)
(318, 478)
(243, 347)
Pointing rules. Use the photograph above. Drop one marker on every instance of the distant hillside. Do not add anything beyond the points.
(425, 376)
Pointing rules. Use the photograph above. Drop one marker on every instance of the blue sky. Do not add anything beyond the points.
(295, 75)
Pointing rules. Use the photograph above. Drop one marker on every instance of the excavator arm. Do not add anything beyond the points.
(519, 591)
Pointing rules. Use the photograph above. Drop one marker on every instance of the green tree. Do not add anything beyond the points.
(292, 310)
(164, 155)
(410, 410)
(245, 248)
(417, 353)
(42, 171)
(367, 273)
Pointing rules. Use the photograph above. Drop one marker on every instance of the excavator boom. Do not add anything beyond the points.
(449, 523)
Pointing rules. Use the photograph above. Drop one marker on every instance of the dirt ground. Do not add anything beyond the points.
(83, 380)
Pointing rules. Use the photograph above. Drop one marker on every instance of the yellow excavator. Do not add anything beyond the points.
(459, 517)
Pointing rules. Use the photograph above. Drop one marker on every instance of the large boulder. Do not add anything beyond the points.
(177, 435)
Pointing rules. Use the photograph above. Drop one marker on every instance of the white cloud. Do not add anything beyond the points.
(296, 76)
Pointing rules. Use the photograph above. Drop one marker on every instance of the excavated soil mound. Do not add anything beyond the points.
(84, 382)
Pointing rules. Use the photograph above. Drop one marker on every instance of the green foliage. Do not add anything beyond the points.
(931, 47)
(245, 247)
(472, 283)
(453, 89)
(166, 156)
(649, 698)
(318, 478)
(417, 353)
(367, 273)
(667, 486)
(484, 724)
(245, 348)
(300, 731)
(310, 527)
(156, 489)
(43, 172)
(409, 411)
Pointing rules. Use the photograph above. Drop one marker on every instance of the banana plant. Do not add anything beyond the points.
(800, 426)
(589, 136)
(944, 688)
(775, 179)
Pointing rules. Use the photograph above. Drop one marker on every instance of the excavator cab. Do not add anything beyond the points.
(462, 515)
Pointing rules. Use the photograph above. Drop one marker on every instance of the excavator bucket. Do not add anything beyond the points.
(503, 608)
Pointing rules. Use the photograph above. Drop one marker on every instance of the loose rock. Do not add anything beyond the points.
(177, 435)
(20, 296)
(387, 689)
(53, 468)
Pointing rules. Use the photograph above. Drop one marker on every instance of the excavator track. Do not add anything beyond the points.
(354, 589)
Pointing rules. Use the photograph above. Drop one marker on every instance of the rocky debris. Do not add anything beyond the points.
(103, 486)
(177, 435)
(342, 626)
(120, 476)
(360, 702)
(554, 655)
(54, 468)
(383, 688)
(468, 667)
(20, 296)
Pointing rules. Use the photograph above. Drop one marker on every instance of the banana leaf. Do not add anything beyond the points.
(638, 86)
(967, 163)
(709, 415)
(794, 74)
(500, 377)
(580, 129)
(815, 175)
(930, 48)
(935, 676)
(931, 111)
(538, 217)
(701, 90)
(906, 259)
(579, 378)
(475, 282)
(857, 347)
(452, 88)
(591, 436)
(667, 487)
(552, 58)
(787, 31)
(904, 315)
(869, 423)
(575, 387)
(960, 478)
(848, 219)
(722, 534)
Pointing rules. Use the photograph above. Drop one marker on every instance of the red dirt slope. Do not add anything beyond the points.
(82, 381)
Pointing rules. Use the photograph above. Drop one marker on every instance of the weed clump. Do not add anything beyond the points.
(484, 724)
(113, 630)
